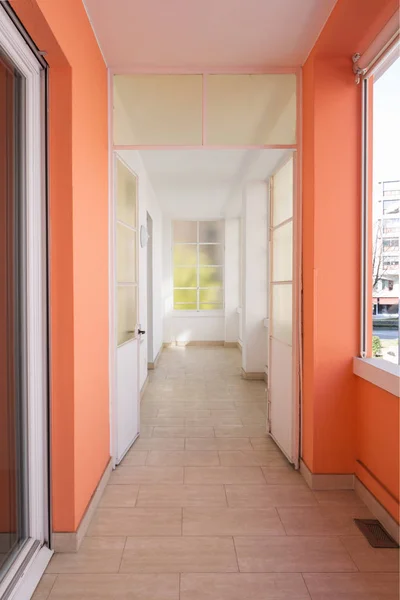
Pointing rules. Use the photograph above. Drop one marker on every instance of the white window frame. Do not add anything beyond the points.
(198, 310)
(379, 372)
(31, 562)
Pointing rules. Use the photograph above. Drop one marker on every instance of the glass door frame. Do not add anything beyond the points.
(30, 562)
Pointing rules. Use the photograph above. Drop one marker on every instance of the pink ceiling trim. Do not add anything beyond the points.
(204, 71)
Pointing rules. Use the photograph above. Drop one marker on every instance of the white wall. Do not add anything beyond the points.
(148, 203)
(255, 251)
(232, 292)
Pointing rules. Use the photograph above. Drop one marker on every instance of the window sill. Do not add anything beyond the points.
(176, 314)
(383, 374)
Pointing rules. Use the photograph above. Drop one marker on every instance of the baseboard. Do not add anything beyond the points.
(239, 346)
(144, 386)
(153, 365)
(377, 509)
(327, 481)
(257, 376)
(71, 541)
(230, 344)
(193, 343)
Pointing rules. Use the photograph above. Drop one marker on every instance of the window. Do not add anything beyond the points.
(198, 265)
(381, 198)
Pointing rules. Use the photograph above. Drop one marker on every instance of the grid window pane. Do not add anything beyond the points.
(126, 254)
(185, 254)
(126, 195)
(187, 296)
(210, 232)
(210, 254)
(185, 277)
(126, 312)
(185, 232)
(198, 258)
(210, 276)
(211, 296)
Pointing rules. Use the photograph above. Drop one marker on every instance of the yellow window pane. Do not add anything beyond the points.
(185, 277)
(188, 296)
(126, 313)
(185, 254)
(212, 295)
(210, 254)
(158, 109)
(210, 231)
(251, 109)
(126, 186)
(210, 276)
(185, 306)
(185, 232)
(282, 252)
(282, 183)
(126, 254)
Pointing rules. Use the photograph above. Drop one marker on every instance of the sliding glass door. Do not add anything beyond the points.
(24, 485)
(13, 451)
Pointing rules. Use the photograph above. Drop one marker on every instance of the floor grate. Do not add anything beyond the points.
(376, 535)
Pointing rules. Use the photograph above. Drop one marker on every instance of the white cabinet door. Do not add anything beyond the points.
(282, 357)
(126, 309)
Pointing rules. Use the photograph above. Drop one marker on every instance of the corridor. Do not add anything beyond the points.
(205, 507)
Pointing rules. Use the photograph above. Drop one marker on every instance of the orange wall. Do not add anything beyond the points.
(78, 252)
(331, 226)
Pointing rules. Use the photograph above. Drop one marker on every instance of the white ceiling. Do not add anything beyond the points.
(204, 183)
(201, 34)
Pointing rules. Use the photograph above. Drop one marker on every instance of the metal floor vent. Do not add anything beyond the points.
(376, 535)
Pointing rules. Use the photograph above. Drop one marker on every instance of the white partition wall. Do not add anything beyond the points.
(282, 367)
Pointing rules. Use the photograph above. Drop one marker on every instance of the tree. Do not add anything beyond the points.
(378, 267)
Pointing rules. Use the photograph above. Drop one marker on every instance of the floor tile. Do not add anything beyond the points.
(44, 588)
(135, 459)
(184, 432)
(223, 475)
(154, 443)
(249, 458)
(116, 587)
(236, 431)
(136, 521)
(269, 495)
(183, 458)
(163, 421)
(231, 521)
(146, 431)
(283, 476)
(292, 554)
(218, 444)
(213, 421)
(96, 555)
(243, 586)
(322, 520)
(179, 555)
(338, 497)
(368, 558)
(185, 413)
(353, 586)
(143, 475)
(119, 495)
(182, 495)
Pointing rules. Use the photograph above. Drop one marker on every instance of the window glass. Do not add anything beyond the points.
(198, 259)
(385, 226)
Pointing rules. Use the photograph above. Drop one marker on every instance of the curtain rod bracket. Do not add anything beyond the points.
(356, 69)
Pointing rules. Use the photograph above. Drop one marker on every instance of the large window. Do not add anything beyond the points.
(381, 100)
(198, 265)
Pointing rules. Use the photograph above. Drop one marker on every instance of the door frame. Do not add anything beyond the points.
(113, 391)
(31, 561)
(296, 302)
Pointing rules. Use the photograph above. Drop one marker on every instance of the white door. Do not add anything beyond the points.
(126, 425)
(283, 389)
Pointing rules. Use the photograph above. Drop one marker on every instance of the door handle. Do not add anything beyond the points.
(141, 331)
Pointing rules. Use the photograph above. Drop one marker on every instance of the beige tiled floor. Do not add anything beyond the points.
(205, 507)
